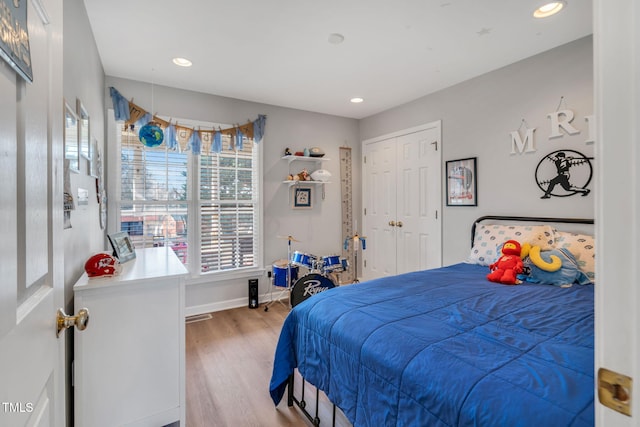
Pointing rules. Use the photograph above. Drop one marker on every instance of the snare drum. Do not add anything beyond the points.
(309, 285)
(331, 263)
(304, 260)
(280, 273)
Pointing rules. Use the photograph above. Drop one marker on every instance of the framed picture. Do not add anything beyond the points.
(93, 169)
(83, 129)
(462, 182)
(302, 198)
(122, 246)
(71, 138)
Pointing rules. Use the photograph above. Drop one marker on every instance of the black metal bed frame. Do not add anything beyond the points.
(526, 219)
(302, 404)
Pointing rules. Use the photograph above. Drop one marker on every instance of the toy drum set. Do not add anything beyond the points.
(318, 278)
(315, 264)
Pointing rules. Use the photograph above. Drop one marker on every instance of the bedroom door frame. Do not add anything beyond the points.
(410, 164)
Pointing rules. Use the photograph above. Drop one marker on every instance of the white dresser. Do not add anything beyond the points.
(129, 367)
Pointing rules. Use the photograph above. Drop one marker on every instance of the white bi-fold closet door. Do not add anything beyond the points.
(402, 199)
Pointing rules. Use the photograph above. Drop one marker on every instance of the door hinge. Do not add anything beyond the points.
(365, 211)
(615, 390)
(365, 263)
(435, 143)
(365, 160)
(436, 214)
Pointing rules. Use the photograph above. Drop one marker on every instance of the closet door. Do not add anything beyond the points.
(379, 257)
(402, 202)
(417, 229)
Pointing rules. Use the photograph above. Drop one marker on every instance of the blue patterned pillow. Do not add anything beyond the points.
(489, 238)
(582, 247)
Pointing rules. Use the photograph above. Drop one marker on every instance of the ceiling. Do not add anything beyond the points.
(277, 51)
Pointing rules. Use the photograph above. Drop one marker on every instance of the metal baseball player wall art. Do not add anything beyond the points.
(564, 173)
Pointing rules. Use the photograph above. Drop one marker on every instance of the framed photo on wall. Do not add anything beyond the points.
(71, 138)
(462, 182)
(83, 129)
(302, 198)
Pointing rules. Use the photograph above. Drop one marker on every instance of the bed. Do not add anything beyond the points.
(446, 347)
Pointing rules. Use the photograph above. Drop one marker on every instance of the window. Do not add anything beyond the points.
(205, 207)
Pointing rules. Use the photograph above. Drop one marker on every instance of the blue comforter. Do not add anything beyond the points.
(445, 347)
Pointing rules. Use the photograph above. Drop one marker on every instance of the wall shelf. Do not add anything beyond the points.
(308, 159)
(304, 159)
(291, 183)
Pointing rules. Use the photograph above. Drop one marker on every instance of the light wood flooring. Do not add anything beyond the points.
(229, 359)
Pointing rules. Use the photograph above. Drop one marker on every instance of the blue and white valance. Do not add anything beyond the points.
(178, 137)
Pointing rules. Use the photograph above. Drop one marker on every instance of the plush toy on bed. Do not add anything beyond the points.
(556, 267)
(507, 267)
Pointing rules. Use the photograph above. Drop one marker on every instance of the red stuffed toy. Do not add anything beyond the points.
(505, 269)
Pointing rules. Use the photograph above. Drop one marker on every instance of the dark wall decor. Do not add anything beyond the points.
(563, 173)
(302, 198)
(14, 40)
(462, 182)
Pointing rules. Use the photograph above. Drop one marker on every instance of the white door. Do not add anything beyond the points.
(32, 384)
(380, 209)
(402, 200)
(617, 101)
(418, 230)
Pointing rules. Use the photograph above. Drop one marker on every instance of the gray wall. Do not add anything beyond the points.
(84, 80)
(477, 118)
(319, 229)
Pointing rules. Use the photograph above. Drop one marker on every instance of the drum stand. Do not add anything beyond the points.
(287, 289)
(357, 241)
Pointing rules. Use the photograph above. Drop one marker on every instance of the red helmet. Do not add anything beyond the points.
(102, 264)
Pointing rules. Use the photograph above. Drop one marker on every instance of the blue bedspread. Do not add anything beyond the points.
(445, 347)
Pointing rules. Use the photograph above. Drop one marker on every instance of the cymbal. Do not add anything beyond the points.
(289, 238)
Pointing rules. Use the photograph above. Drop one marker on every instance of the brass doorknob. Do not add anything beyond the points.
(392, 223)
(80, 320)
(399, 223)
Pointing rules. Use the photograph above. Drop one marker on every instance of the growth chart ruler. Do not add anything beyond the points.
(347, 211)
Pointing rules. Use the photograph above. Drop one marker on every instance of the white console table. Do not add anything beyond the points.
(129, 367)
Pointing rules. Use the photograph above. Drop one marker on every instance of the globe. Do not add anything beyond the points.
(151, 135)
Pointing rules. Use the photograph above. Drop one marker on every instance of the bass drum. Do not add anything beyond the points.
(309, 285)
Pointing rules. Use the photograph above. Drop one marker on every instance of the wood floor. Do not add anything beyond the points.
(229, 359)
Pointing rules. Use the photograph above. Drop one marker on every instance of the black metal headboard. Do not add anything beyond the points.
(526, 219)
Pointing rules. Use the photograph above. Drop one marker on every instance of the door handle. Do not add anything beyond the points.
(64, 321)
(399, 224)
(392, 223)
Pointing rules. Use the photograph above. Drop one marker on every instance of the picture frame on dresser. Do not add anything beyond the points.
(462, 182)
(123, 248)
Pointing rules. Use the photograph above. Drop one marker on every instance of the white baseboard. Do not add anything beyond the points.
(221, 305)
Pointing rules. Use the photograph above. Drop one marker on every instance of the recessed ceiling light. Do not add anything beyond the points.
(336, 38)
(549, 9)
(182, 62)
(357, 100)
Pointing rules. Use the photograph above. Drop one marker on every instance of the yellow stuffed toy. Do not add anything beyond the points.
(533, 252)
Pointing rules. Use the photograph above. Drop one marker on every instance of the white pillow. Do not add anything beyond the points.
(488, 238)
(582, 247)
